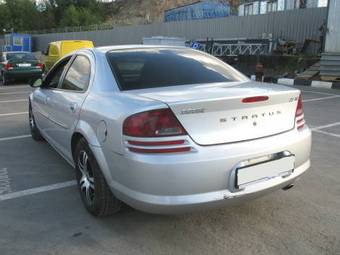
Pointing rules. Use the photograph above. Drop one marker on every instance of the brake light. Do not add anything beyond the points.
(40, 66)
(155, 123)
(8, 66)
(299, 115)
(255, 99)
(155, 131)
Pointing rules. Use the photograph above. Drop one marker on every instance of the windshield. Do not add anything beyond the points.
(163, 67)
(20, 56)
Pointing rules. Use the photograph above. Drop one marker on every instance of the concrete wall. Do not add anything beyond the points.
(296, 25)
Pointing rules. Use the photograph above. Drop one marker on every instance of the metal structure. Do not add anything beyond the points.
(17, 42)
(296, 25)
(234, 49)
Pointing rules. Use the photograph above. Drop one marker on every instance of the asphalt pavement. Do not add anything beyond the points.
(41, 211)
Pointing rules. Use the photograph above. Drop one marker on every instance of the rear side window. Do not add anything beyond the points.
(163, 67)
(20, 56)
(78, 76)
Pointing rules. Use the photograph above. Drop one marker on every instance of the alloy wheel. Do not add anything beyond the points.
(86, 181)
(31, 119)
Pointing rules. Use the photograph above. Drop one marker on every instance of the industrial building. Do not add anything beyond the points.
(256, 7)
(198, 10)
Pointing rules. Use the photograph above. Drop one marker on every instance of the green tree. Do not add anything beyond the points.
(71, 17)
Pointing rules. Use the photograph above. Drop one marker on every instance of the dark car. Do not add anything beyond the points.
(20, 65)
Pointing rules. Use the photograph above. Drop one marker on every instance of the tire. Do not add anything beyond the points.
(4, 80)
(35, 133)
(94, 191)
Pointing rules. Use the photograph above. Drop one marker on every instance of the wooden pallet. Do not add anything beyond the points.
(331, 78)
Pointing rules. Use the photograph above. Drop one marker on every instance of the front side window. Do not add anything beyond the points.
(53, 77)
(163, 67)
(78, 76)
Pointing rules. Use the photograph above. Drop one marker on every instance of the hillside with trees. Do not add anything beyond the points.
(28, 15)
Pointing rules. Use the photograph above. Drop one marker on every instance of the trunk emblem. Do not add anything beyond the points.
(251, 117)
(192, 111)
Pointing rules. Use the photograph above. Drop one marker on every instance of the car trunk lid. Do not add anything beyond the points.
(231, 112)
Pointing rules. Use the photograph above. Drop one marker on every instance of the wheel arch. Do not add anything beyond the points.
(85, 131)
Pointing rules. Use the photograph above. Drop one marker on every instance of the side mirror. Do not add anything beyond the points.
(36, 83)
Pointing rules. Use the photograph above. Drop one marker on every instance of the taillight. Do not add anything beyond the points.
(8, 66)
(155, 123)
(155, 131)
(255, 99)
(299, 115)
(40, 66)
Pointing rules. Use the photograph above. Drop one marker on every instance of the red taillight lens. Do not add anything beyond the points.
(160, 151)
(299, 116)
(155, 123)
(8, 66)
(40, 65)
(248, 100)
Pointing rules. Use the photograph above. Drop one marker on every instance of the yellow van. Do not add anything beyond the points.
(57, 50)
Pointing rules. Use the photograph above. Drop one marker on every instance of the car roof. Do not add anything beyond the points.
(106, 49)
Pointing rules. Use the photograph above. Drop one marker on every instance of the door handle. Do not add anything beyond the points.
(47, 100)
(73, 107)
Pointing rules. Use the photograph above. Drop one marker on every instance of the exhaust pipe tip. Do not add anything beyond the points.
(288, 187)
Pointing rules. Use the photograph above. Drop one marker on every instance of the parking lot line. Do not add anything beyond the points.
(327, 133)
(321, 98)
(5, 186)
(3, 139)
(15, 93)
(33, 191)
(14, 101)
(326, 126)
(12, 114)
(13, 87)
(320, 93)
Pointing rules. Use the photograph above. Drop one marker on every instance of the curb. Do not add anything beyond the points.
(315, 84)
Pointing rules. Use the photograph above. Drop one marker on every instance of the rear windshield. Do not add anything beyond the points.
(20, 56)
(163, 67)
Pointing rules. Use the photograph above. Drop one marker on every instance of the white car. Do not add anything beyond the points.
(168, 129)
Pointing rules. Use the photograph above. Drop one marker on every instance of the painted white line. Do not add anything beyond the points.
(327, 133)
(14, 101)
(14, 87)
(320, 99)
(15, 93)
(33, 191)
(326, 126)
(3, 139)
(12, 114)
(5, 185)
(320, 93)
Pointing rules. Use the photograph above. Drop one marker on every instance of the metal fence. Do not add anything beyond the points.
(297, 25)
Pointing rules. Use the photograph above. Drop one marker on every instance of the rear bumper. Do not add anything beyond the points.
(23, 74)
(210, 200)
(185, 182)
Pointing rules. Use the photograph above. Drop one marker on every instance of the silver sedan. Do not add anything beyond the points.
(168, 129)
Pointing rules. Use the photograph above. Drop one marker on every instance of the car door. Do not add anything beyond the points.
(67, 100)
(41, 96)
